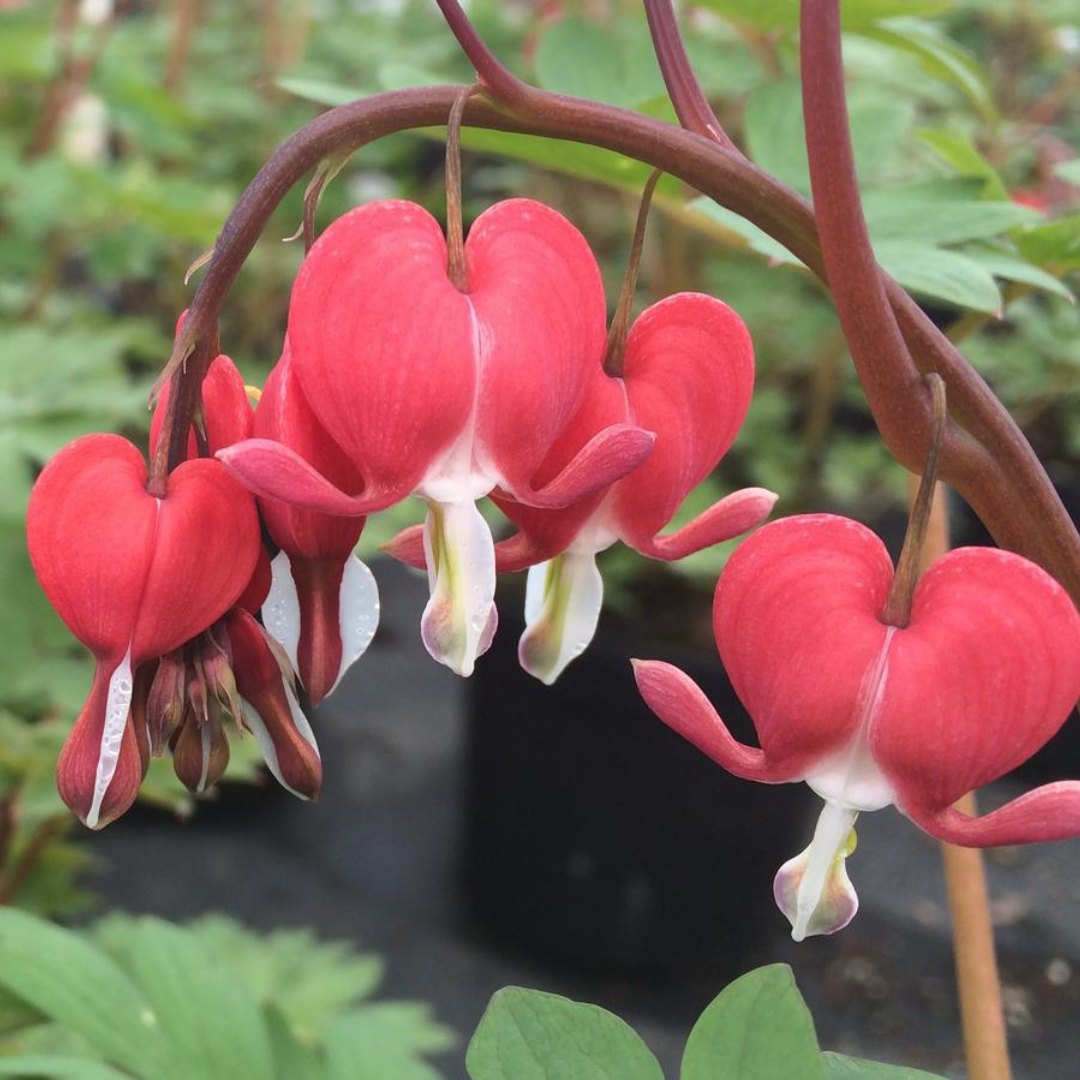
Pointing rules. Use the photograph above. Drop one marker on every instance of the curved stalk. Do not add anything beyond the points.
(992, 466)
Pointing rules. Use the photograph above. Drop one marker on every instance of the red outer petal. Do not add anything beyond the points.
(318, 590)
(383, 344)
(1051, 812)
(258, 588)
(796, 616)
(90, 530)
(285, 416)
(539, 302)
(76, 771)
(226, 408)
(205, 552)
(689, 373)
(123, 568)
(679, 702)
(260, 682)
(987, 670)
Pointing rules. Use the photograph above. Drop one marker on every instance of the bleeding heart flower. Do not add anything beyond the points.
(868, 714)
(134, 577)
(688, 374)
(446, 393)
(323, 605)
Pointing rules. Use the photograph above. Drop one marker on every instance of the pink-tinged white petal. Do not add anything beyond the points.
(680, 703)
(281, 612)
(563, 598)
(117, 713)
(459, 619)
(813, 890)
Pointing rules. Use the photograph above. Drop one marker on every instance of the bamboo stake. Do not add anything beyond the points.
(977, 977)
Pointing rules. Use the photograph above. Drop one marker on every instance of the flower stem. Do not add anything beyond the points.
(908, 567)
(977, 977)
(691, 106)
(620, 324)
(455, 226)
(991, 464)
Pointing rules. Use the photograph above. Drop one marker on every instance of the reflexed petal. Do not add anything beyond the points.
(1051, 812)
(457, 624)
(813, 889)
(680, 703)
(562, 607)
(730, 517)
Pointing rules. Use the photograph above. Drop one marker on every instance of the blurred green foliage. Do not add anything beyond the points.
(124, 143)
(208, 1001)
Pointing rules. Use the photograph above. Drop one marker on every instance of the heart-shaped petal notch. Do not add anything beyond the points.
(133, 577)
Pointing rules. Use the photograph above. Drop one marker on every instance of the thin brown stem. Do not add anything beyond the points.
(9, 820)
(185, 20)
(620, 324)
(898, 605)
(39, 843)
(455, 219)
(990, 463)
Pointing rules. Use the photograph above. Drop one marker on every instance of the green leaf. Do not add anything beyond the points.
(758, 1028)
(385, 1040)
(775, 140)
(959, 152)
(306, 980)
(201, 1002)
(58, 1068)
(70, 981)
(940, 57)
(322, 93)
(529, 1035)
(729, 222)
(1055, 245)
(1069, 170)
(939, 275)
(292, 1059)
(612, 63)
(1010, 268)
(938, 213)
(839, 1067)
(855, 14)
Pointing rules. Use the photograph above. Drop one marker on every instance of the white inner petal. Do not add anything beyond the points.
(563, 598)
(358, 612)
(281, 611)
(117, 707)
(830, 838)
(460, 552)
(851, 777)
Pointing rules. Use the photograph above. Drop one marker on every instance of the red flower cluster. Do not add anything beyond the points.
(498, 388)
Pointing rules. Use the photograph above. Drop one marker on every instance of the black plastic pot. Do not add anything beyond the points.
(596, 835)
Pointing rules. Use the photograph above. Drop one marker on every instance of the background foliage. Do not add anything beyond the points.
(126, 136)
